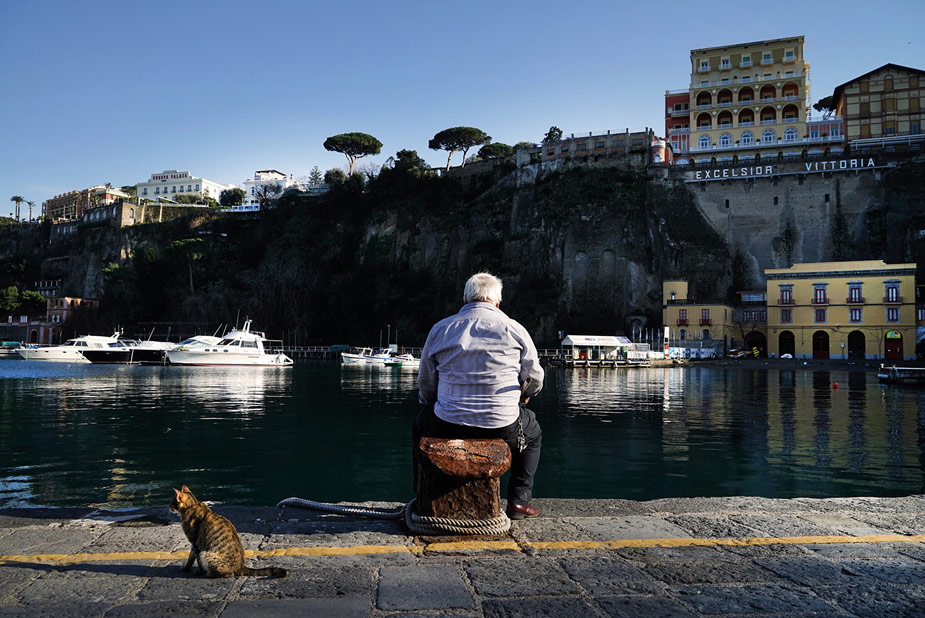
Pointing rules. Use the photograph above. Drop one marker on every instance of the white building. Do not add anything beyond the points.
(171, 183)
(262, 178)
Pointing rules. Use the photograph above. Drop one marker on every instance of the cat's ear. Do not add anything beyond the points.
(177, 491)
(186, 490)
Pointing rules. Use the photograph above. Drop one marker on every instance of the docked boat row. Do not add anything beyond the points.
(243, 347)
(382, 357)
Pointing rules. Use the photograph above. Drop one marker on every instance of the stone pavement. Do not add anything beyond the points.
(597, 558)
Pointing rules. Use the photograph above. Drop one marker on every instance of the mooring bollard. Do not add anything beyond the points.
(460, 478)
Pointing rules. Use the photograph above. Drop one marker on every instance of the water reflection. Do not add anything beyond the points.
(124, 435)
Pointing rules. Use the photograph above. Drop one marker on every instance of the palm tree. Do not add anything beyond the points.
(31, 204)
(19, 200)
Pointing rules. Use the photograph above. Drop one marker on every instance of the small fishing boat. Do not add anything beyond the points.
(405, 361)
(70, 351)
(381, 355)
(239, 347)
(356, 358)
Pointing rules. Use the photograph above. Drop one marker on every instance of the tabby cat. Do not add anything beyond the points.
(216, 544)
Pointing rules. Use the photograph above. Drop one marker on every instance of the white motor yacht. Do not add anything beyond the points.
(70, 351)
(239, 347)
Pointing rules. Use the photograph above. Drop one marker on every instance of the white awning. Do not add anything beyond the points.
(596, 340)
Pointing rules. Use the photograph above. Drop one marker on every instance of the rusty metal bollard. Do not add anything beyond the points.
(460, 478)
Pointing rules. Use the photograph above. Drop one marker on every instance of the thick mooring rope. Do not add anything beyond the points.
(416, 524)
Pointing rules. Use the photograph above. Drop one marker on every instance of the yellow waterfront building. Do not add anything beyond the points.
(863, 309)
(689, 321)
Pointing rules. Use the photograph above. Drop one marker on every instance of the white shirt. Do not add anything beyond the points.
(473, 364)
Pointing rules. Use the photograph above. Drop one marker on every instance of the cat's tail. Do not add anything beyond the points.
(273, 571)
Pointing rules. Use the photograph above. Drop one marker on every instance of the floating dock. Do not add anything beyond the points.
(893, 374)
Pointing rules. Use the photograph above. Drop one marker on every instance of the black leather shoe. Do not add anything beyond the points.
(521, 511)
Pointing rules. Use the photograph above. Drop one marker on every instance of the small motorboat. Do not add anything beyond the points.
(379, 357)
(356, 358)
(405, 361)
(239, 347)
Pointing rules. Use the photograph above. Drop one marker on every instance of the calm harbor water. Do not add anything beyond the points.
(116, 436)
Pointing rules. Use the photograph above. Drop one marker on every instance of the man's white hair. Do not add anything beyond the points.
(483, 286)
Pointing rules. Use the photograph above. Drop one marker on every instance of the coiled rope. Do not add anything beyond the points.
(416, 524)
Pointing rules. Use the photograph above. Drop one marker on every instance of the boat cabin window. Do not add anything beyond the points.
(248, 344)
(229, 342)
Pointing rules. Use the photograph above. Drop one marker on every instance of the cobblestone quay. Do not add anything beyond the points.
(672, 557)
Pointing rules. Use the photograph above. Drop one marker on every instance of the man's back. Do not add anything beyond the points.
(473, 364)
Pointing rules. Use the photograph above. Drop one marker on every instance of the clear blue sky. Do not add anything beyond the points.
(96, 92)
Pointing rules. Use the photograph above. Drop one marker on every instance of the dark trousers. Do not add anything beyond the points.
(523, 464)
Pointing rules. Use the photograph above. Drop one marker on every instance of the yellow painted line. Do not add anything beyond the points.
(470, 545)
(500, 545)
(354, 550)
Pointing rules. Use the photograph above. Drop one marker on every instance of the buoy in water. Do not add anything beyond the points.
(835, 385)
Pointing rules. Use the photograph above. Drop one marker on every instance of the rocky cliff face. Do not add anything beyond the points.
(583, 247)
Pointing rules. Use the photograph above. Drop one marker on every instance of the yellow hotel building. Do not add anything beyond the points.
(745, 102)
(822, 310)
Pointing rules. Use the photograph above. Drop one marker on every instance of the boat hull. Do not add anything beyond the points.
(126, 357)
(57, 355)
(197, 358)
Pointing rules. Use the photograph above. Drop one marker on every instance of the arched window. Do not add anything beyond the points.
(725, 140)
(746, 138)
(704, 142)
(768, 137)
(790, 135)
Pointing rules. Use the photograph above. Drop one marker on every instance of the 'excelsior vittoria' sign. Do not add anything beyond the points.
(760, 171)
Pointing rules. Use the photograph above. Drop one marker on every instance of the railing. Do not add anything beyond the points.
(770, 78)
(746, 64)
(747, 123)
(682, 322)
(765, 122)
(767, 61)
(820, 301)
(893, 299)
(785, 301)
(679, 131)
(724, 104)
(706, 321)
(855, 300)
(704, 105)
(781, 142)
(680, 112)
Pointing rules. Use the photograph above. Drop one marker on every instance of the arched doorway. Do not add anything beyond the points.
(757, 341)
(821, 345)
(786, 344)
(33, 336)
(857, 345)
(893, 345)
